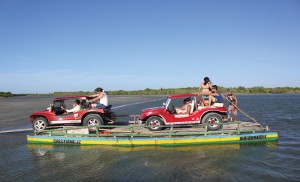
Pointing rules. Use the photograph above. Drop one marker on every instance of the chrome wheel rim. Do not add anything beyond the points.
(39, 125)
(154, 123)
(213, 121)
(93, 122)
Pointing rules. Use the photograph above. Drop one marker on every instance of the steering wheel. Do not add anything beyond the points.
(88, 105)
(63, 109)
(172, 110)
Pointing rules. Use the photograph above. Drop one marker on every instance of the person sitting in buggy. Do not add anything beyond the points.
(215, 96)
(186, 108)
(76, 107)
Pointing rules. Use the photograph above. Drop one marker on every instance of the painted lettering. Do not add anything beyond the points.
(258, 137)
(66, 141)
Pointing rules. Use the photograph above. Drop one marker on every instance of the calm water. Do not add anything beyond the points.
(271, 161)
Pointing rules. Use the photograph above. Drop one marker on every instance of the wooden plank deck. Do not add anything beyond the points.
(139, 128)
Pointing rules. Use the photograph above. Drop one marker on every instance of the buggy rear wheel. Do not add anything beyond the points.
(214, 119)
(92, 120)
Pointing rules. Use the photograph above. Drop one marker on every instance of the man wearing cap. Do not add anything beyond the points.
(100, 99)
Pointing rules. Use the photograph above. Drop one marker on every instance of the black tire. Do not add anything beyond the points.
(215, 119)
(92, 120)
(39, 124)
(155, 123)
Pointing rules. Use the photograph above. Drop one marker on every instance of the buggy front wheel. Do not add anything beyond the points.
(154, 123)
(39, 124)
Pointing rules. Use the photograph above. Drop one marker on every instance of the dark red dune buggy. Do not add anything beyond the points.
(56, 115)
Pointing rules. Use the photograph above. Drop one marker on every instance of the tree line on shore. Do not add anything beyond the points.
(6, 94)
(236, 90)
(170, 91)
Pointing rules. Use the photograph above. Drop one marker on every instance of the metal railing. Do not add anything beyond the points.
(141, 131)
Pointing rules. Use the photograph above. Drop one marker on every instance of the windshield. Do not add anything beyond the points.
(177, 102)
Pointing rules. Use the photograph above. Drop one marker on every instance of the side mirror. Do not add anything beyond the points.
(164, 104)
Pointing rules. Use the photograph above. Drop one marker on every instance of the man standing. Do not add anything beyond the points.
(100, 99)
(232, 107)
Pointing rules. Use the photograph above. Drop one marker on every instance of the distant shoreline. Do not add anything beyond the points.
(171, 91)
(166, 95)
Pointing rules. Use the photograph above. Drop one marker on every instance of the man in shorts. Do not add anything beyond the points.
(232, 105)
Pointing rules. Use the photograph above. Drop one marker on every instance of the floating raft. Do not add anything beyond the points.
(139, 135)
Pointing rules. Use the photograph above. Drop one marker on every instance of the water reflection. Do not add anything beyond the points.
(117, 163)
(181, 163)
(43, 148)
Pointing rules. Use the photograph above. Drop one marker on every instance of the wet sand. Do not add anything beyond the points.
(15, 111)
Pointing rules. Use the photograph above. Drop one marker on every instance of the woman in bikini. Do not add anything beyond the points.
(205, 91)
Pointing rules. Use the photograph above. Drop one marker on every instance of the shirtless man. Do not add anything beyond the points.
(215, 96)
(232, 99)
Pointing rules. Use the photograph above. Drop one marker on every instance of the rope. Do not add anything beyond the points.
(242, 111)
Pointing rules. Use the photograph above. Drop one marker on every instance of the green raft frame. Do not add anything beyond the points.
(139, 135)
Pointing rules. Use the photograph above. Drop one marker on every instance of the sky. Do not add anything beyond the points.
(77, 45)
